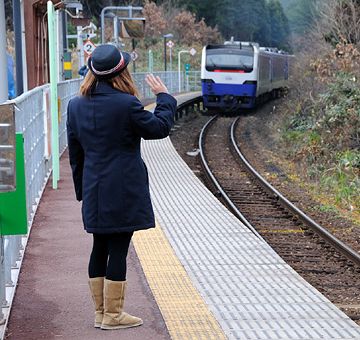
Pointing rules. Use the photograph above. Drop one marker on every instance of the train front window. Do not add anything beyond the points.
(230, 59)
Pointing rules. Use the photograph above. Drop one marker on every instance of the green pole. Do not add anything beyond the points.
(53, 95)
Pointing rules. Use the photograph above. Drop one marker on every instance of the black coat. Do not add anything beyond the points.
(110, 177)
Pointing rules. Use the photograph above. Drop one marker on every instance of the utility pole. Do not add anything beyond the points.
(3, 57)
(18, 47)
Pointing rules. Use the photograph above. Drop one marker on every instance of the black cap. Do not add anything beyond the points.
(107, 61)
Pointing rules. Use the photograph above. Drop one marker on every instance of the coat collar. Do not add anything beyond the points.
(103, 87)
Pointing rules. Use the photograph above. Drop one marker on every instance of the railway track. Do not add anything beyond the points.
(325, 262)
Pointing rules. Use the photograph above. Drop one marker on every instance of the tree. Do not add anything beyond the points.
(279, 25)
(188, 30)
(244, 20)
(301, 14)
(92, 8)
(203, 9)
(155, 22)
(340, 21)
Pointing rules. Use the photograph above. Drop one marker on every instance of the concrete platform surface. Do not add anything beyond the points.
(52, 299)
(251, 291)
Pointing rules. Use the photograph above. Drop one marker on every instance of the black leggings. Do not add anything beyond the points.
(108, 256)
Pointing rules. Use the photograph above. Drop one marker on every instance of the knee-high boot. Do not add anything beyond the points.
(96, 285)
(114, 315)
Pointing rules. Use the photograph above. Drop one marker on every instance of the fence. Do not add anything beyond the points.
(32, 118)
(188, 82)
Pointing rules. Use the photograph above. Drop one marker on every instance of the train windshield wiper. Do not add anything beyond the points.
(242, 65)
(214, 66)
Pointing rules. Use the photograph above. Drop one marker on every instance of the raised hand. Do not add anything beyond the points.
(156, 84)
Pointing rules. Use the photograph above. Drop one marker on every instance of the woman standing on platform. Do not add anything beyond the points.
(105, 125)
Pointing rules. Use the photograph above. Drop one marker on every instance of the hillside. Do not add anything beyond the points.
(321, 126)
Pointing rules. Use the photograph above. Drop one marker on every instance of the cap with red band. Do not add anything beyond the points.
(107, 61)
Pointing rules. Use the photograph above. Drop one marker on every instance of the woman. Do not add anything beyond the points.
(105, 125)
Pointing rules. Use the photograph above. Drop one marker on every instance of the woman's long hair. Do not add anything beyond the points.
(122, 82)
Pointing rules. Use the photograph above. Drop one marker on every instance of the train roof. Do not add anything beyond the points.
(233, 43)
(246, 44)
(240, 46)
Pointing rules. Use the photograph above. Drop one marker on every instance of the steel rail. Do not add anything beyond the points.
(217, 185)
(321, 231)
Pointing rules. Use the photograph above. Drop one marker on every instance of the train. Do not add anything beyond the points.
(238, 75)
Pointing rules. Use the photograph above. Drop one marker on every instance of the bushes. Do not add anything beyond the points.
(343, 179)
(323, 132)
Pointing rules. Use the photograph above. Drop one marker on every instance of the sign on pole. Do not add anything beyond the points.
(134, 55)
(89, 47)
(192, 51)
(170, 44)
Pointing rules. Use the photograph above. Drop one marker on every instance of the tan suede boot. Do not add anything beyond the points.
(96, 285)
(114, 316)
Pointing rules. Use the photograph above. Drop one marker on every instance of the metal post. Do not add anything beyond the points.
(171, 78)
(24, 48)
(3, 59)
(8, 253)
(179, 70)
(165, 54)
(18, 47)
(80, 43)
(102, 16)
(179, 66)
(151, 62)
(133, 47)
(64, 30)
(53, 94)
(16, 251)
(59, 49)
(3, 302)
(116, 30)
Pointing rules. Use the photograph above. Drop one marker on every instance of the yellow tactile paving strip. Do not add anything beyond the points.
(185, 312)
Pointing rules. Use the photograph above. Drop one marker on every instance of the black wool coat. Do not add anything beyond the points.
(104, 133)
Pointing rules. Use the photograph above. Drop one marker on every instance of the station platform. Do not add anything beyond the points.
(200, 274)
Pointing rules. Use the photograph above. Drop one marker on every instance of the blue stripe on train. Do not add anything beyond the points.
(222, 93)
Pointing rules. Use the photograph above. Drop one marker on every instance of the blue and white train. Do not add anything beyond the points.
(241, 74)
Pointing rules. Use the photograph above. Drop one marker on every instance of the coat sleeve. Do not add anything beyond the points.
(155, 125)
(76, 155)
